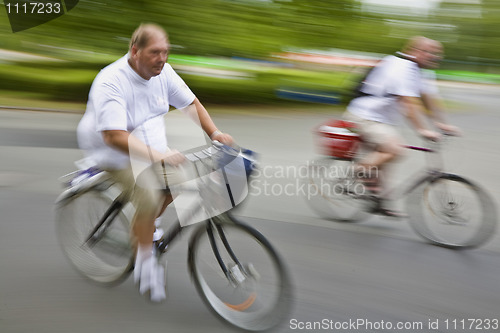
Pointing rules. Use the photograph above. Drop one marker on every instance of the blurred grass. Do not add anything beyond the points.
(26, 100)
(22, 100)
(66, 83)
(467, 76)
(220, 81)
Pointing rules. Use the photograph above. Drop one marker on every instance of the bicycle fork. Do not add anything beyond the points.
(237, 273)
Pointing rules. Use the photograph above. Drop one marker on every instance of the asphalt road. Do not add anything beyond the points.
(375, 274)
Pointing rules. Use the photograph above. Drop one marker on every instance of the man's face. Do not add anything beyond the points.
(151, 59)
(429, 54)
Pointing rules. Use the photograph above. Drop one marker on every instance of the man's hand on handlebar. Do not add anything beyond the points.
(429, 134)
(447, 129)
(224, 138)
(174, 157)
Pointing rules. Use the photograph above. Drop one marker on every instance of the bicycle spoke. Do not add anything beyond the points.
(450, 211)
(98, 247)
(333, 192)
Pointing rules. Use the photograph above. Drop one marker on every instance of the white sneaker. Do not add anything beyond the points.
(158, 287)
(151, 277)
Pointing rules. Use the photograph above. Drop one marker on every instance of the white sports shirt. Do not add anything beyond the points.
(120, 99)
(393, 77)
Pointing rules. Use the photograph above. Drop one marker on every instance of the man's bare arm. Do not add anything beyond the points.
(414, 112)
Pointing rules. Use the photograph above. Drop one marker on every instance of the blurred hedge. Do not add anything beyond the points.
(227, 82)
(213, 80)
(55, 82)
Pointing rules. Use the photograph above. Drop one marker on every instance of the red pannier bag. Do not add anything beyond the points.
(338, 138)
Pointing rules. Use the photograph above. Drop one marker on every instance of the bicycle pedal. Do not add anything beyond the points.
(237, 274)
(160, 246)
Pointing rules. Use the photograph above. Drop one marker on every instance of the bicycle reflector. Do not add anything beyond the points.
(338, 138)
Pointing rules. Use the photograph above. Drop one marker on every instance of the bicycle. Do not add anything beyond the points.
(236, 271)
(444, 208)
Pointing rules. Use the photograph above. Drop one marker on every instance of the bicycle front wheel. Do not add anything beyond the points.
(107, 257)
(333, 192)
(239, 275)
(451, 211)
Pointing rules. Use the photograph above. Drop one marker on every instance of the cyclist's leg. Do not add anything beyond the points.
(143, 201)
(169, 176)
(386, 140)
(388, 148)
(147, 202)
(151, 196)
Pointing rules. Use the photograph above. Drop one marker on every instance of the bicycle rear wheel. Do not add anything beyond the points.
(108, 257)
(333, 192)
(451, 211)
(239, 275)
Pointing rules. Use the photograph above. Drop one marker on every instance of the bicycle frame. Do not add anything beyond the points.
(434, 169)
(162, 246)
(170, 235)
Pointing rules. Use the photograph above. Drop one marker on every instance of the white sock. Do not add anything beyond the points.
(144, 252)
(158, 234)
(147, 268)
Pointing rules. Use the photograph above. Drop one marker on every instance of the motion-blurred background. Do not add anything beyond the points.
(248, 51)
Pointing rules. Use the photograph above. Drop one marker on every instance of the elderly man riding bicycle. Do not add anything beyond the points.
(138, 88)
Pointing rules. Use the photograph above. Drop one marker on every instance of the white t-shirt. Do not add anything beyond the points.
(393, 77)
(120, 99)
